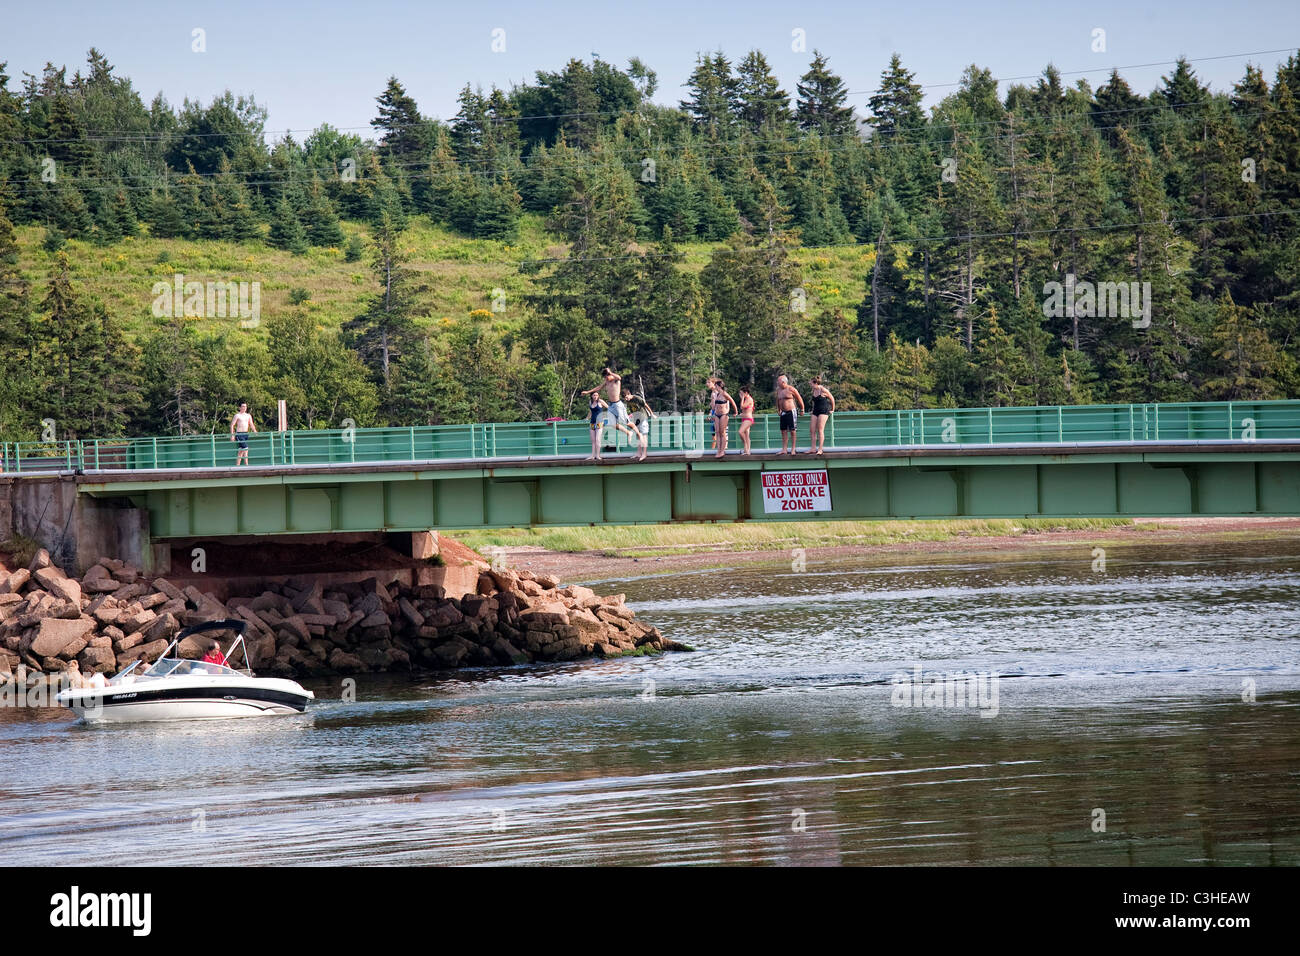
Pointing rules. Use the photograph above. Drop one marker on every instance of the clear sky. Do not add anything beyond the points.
(311, 63)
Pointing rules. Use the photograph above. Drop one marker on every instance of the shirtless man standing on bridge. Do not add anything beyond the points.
(786, 396)
(240, 426)
(613, 388)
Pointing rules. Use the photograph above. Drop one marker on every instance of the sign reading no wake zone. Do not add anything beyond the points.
(796, 491)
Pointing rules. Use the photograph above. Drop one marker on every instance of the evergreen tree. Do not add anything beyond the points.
(74, 348)
(496, 214)
(761, 105)
(19, 340)
(287, 232)
(908, 377)
(713, 90)
(405, 134)
(319, 222)
(821, 99)
(379, 334)
(164, 216)
(1247, 364)
(1000, 366)
(896, 106)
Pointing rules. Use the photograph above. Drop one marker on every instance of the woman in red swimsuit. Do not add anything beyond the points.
(746, 415)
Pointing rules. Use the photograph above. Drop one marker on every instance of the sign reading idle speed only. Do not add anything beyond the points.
(788, 491)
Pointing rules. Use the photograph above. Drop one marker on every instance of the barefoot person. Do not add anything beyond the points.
(609, 386)
(240, 426)
(786, 396)
(641, 421)
(597, 405)
(612, 386)
(823, 403)
(721, 407)
(746, 415)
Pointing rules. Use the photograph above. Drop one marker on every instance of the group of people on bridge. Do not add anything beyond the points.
(609, 401)
(609, 405)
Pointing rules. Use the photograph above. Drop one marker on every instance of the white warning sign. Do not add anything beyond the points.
(796, 491)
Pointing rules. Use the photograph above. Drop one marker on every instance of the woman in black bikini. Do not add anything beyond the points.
(823, 403)
(597, 405)
(720, 410)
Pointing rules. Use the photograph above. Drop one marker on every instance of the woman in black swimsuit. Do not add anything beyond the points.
(721, 408)
(597, 405)
(823, 403)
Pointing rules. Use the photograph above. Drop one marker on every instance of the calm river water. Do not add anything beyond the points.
(1123, 733)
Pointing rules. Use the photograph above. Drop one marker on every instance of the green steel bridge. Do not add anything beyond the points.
(1214, 458)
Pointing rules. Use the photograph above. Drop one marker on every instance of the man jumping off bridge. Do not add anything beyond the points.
(617, 412)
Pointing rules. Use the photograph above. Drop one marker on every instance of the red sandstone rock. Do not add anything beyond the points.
(55, 634)
(58, 583)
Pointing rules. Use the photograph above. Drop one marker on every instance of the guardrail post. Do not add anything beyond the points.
(471, 442)
(1130, 421)
(898, 425)
(990, 417)
(1230, 421)
(155, 452)
(213, 436)
(412, 443)
(1156, 416)
(1060, 426)
(555, 438)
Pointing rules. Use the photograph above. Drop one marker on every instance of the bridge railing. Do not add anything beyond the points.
(1204, 421)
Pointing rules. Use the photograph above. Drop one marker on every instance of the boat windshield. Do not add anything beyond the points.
(174, 667)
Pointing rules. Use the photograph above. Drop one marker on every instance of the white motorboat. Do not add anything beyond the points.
(175, 688)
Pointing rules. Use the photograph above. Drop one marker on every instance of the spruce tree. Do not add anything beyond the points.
(896, 106)
(821, 98)
(1247, 364)
(496, 215)
(405, 134)
(286, 231)
(761, 105)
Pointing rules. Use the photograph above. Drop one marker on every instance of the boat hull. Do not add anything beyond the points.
(197, 701)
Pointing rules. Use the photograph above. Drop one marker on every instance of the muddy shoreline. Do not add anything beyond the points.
(595, 565)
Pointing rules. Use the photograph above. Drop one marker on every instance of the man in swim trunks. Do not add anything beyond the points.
(617, 412)
(786, 396)
(240, 426)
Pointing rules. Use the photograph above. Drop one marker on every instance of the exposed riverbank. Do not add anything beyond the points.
(637, 551)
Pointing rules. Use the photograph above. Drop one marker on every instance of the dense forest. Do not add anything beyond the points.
(964, 214)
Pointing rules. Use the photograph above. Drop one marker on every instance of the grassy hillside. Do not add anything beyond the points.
(459, 273)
